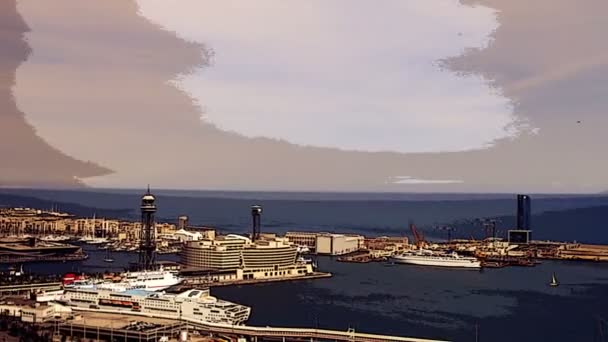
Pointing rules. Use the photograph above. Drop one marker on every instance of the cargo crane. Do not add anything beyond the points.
(449, 230)
(418, 236)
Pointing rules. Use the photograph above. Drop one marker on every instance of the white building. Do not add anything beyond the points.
(184, 235)
(338, 244)
(32, 312)
(262, 259)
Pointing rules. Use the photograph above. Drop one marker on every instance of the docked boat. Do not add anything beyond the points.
(192, 305)
(429, 258)
(553, 282)
(141, 280)
(55, 238)
(48, 295)
(108, 257)
(303, 250)
(151, 280)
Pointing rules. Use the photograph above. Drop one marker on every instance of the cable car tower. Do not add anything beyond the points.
(147, 237)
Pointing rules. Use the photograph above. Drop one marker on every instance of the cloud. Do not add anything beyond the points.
(411, 180)
(355, 75)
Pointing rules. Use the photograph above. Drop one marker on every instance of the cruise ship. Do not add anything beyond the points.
(192, 305)
(49, 295)
(151, 280)
(142, 280)
(430, 258)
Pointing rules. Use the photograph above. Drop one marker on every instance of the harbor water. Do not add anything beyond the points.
(507, 304)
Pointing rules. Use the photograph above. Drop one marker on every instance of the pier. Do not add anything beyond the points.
(29, 288)
(198, 282)
(107, 326)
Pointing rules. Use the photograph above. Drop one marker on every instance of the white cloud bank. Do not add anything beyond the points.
(349, 74)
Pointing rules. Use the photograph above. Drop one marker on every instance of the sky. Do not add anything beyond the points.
(442, 95)
(345, 74)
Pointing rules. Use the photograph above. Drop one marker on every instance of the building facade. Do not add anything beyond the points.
(262, 259)
(338, 244)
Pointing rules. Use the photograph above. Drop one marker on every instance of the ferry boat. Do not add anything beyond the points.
(151, 280)
(430, 258)
(144, 280)
(48, 295)
(193, 305)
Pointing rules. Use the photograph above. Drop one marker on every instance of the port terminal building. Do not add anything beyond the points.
(235, 257)
(327, 243)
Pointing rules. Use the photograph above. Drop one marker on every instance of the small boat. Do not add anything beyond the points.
(553, 281)
(108, 256)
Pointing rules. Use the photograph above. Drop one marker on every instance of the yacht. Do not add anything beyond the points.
(108, 257)
(553, 282)
(93, 240)
(430, 258)
(193, 305)
(303, 250)
(97, 241)
(54, 238)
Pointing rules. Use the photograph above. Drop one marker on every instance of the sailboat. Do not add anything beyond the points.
(553, 281)
(108, 256)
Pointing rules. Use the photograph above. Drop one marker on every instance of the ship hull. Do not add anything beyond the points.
(422, 261)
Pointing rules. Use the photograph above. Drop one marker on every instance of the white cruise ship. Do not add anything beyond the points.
(49, 295)
(193, 305)
(141, 280)
(429, 258)
(151, 280)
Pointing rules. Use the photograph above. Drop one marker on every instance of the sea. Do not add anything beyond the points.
(508, 304)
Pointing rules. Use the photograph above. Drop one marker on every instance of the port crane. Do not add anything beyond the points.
(449, 230)
(418, 236)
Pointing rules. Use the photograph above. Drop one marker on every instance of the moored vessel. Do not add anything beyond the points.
(194, 305)
(429, 258)
(553, 282)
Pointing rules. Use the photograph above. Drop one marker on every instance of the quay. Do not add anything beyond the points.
(198, 282)
(114, 327)
(18, 289)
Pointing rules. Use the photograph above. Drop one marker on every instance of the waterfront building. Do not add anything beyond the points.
(32, 250)
(386, 244)
(240, 258)
(304, 239)
(222, 253)
(30, 311)
(338, 244)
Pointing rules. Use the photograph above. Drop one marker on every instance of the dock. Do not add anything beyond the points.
(197, 282)
(18, 289)
(131, 328)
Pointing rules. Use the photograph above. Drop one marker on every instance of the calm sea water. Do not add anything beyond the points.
(510, 304)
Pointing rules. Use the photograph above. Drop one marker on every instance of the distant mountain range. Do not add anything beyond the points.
(9, 200)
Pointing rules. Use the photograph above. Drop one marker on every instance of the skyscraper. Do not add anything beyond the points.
(524, 209)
